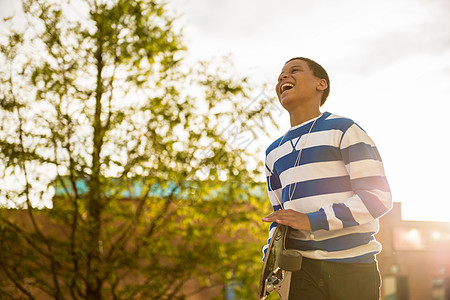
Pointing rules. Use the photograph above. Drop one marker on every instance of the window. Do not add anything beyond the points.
(438, 289)
(395, 287)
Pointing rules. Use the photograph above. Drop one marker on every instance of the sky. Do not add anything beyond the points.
(389, 66)
(388, 62)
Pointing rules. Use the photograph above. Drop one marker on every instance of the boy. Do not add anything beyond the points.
(326, 182)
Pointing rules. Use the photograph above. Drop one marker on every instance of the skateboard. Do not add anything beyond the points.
(278, 266)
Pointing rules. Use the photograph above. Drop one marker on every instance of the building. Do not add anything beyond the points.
(415, 260)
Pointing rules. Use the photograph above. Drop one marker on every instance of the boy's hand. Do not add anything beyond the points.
(291, 218)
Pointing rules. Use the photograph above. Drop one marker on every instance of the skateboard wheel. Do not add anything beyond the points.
(290, 260)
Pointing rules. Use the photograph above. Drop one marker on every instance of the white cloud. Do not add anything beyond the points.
(389, 67)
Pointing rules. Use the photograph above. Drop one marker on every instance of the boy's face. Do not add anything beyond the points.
(296, 82)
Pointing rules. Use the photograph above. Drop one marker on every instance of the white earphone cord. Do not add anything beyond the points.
(280, 202)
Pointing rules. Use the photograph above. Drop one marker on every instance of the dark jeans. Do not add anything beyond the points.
(322, 280)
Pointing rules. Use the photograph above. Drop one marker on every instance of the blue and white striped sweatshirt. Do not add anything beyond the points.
(339, 183)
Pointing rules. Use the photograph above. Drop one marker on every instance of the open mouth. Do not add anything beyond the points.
(286, 86)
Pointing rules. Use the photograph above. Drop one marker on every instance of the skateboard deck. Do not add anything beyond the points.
(273, 277)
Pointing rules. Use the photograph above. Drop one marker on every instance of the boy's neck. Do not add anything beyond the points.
(301, 115)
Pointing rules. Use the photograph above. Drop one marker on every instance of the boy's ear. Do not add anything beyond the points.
(322, 85)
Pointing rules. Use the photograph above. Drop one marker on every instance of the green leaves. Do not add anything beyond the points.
(144, 156)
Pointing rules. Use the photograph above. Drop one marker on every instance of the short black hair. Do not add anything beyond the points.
(319, 72)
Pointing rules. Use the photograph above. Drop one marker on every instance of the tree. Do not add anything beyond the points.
(118, 155)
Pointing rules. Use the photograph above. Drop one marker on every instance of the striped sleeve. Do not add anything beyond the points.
(274, 190)
(371, 193)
